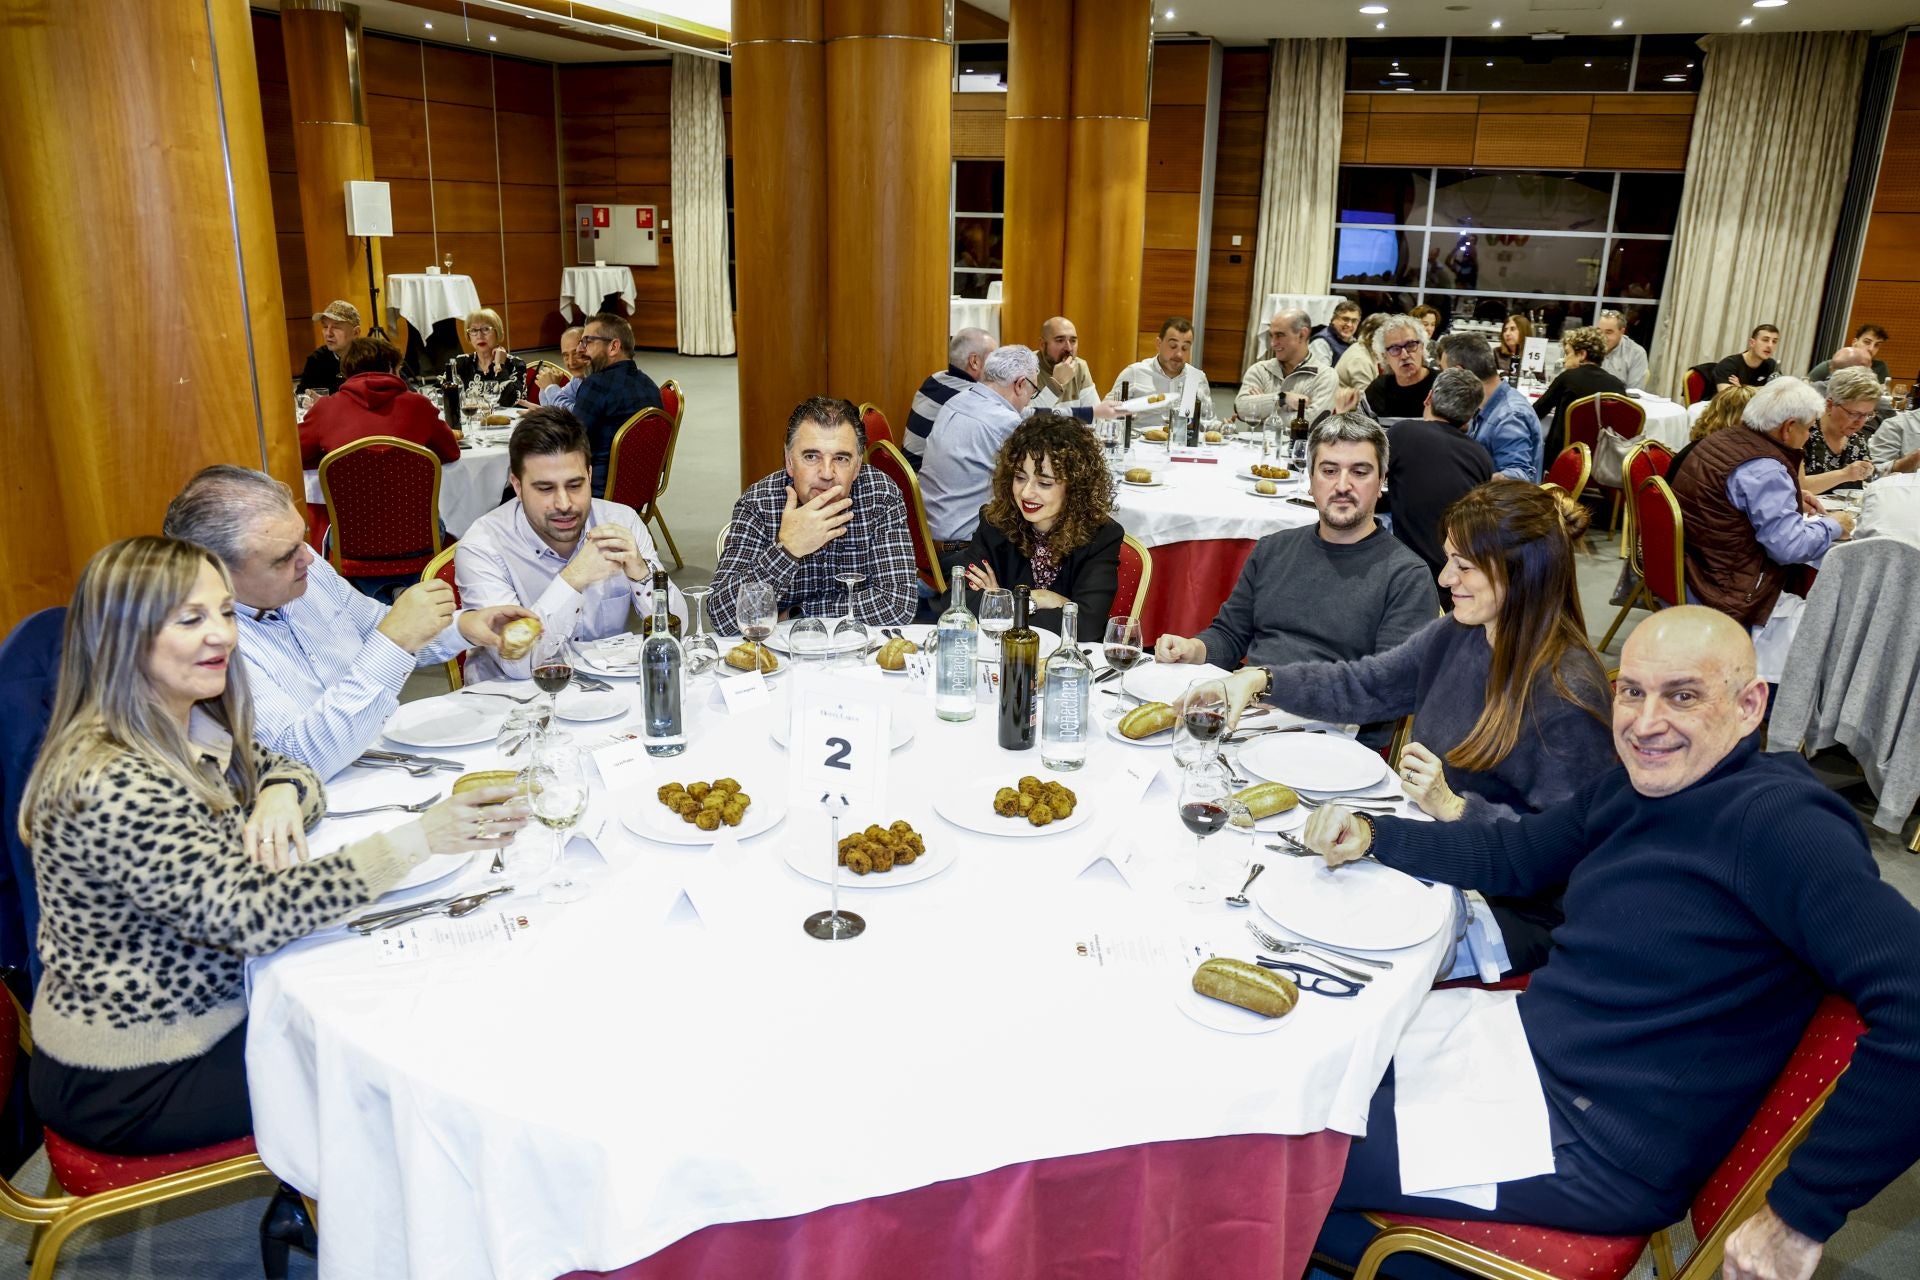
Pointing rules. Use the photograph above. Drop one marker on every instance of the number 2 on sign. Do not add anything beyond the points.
(846, 751)
(837, 758)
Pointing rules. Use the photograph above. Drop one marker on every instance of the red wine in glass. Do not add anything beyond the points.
(552, 678)
(1203, 817)
(1122, 657)
(1206, 724)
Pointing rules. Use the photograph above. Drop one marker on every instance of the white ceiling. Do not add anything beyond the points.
(394, 18)
(1257, 21)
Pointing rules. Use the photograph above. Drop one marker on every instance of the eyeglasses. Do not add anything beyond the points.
(1849, 414)
(585, 338)
(1308, 978)
(1404, 348)
(477, 330)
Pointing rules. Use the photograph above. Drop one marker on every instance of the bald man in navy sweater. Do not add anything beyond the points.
(1714, 895)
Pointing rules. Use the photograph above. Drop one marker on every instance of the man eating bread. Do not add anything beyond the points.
(580, 564)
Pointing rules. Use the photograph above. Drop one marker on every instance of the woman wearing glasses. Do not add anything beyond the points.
(1836, 452)
(1583, 377)
(500, 375)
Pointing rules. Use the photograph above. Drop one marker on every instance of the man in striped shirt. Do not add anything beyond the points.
(325, 664)
(967, 354)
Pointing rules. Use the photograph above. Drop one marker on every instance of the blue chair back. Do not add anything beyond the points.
(29, 674)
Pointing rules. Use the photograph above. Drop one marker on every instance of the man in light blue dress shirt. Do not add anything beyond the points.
(966, 438)
(324, 663)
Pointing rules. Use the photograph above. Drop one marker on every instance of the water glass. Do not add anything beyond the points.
(557, 789)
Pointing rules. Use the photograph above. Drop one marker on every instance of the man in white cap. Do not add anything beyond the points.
(339, 325)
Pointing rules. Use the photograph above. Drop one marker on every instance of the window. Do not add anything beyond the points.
(979, 214)
(1521, 64)
(1668, 64)
(980, 68)
(1373, 65)
(1481, 244)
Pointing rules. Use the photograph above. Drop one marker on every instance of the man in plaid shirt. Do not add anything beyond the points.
(822, 516)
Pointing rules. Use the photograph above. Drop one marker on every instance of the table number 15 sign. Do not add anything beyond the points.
(839, 744)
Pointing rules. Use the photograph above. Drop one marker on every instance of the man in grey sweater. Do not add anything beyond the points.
(1342, 588)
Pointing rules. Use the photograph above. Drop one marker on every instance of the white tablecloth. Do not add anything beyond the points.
(1318, 306)
(469, 487)
(427, 300)
(589, 285)
(1207, 500)
(631, 1075)
(973, 313)
(1667, 421)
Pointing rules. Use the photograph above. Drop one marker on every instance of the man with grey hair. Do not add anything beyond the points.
(1505, 423)
(325, 664)
(1746, 518)
(549, 390)
(1291, 377)
(1376, 592)
(967, 352)
(965, 445)
(1432, 461)
(1625, 358)
(1401, 389)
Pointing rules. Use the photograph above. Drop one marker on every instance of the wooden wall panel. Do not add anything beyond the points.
(1439, 138)
(532, 208)
(1353, 138)
(1166, 285)
(1180, 75)
(1238, 164)
(412, 201)
(1173, 219)
(527, 146)
(1242, 145)
(1234, 216)
(1889, 272)
(1644, 142)
(1899, 188)
(979, 130)
(1519, 130)
(397, 128)
(523, 87)
(1173, 147)
(454, 75)
(462, 141)
(466, 207)
(390, 67)
(1530, 141)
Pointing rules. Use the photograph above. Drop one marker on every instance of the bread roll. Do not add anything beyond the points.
(748, 655)
(518, 638)
(1238, 982)
(893, 654)
(1265, 486)
(1154, 433)
(1146, 720)
(1267, 799)
(485, 778)
(1213, 437)
(1139, 475)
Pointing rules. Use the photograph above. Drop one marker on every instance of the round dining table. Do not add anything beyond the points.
(470, 486)
(1004, 1074)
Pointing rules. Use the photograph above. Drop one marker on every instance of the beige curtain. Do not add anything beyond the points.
(699, 172)
(1299, 180)
(1766, 173)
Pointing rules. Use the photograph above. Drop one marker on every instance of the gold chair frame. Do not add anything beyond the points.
(1146, 573)
(652, 509)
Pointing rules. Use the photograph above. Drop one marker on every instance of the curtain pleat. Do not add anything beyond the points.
(703, 302)
(1300, 177)
(1765, 179)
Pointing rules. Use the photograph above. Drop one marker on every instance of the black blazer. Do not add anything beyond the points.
(1088, 576)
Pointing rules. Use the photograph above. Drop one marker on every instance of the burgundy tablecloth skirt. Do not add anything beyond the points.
(1238, 1208)
(1191, 580)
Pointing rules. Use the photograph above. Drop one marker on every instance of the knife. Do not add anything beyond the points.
(374, 917)
(421, 910)
(438, 762)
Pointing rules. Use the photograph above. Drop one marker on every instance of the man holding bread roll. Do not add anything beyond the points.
(1715, 894)
(325, 664)
(579, 563)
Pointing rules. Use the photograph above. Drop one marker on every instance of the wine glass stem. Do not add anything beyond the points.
(554, 872)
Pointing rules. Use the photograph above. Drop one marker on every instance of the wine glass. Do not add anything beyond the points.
(447, 262)
(850, 634)
(701, 652)
(1207, 807)
(996, 615)
(1122, 647)
(757, 609)
(1202, 723)
(557, 787)
(552, 666)
(808, 643)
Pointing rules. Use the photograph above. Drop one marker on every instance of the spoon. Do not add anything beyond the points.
(1240, 899)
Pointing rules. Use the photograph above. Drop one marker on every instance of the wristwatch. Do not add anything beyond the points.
(291, 780)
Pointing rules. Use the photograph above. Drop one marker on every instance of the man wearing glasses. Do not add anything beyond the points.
(965, 444)
(614, 391)
(1401, 390)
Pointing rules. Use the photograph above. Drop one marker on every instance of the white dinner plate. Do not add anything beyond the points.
(901, 727)
(432, 871)
(1221, 1016)
(1143, 484)
(970, 807)
(1318, 762)
(600, 704)
(1166, 681)
(723, 670)
(811, 862)
(1247, 474)
(651, 820)
(1281, 494)
(614, 656)
(447, 721)
(1363, 905)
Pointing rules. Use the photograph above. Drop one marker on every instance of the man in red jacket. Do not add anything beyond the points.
(373, 401)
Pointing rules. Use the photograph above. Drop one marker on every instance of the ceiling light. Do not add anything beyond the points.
(1769, 4)
(1621, 22)
(493, 37)
(1689, 66)
(1675, 78)
(1489, 63)
(1169, 15)
(1746, 22)
(1371, 9)
(1405, 88)
(1496, 24)
(1405, 75)
(429, 26)
(1379, 26)
(1589, 64)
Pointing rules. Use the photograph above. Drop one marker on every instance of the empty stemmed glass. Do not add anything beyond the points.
(808, 643)
(1202, 723)
(557, 788)
(850, 634)
(701, 650)
(1207, 807)
(996, 615)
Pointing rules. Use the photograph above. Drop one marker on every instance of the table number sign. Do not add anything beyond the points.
(839, 742)
(1533, 357)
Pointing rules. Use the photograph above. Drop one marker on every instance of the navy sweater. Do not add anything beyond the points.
(1702, 929)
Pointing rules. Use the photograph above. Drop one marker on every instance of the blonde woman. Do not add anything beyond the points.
(169, 847)
(501, 375)
(1722, 411)
(1359, 366)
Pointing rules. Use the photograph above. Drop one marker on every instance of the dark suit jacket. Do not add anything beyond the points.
(1088, 576)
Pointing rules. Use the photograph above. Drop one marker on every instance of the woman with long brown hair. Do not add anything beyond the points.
(1513, 339)
(1510, 705)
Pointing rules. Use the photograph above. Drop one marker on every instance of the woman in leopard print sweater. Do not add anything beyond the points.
(169, 847)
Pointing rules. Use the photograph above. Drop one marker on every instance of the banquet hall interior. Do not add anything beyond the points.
(759, 202)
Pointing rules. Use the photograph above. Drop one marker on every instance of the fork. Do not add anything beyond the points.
(418, 807)
(491, 693)
(1281, 946)
(1363, 804)
(417, 770)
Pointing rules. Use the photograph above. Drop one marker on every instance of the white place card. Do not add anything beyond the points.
(437, 937)
(625, 767)
(1115, 862)
(744, 692)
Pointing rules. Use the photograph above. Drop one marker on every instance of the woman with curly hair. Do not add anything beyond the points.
(1049, 524)
(1582, 377)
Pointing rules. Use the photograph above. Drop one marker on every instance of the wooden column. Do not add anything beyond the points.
(138, 266)
(1039, 77)
(780, 213)
(332, 146)
(889, 69)
(1107, 179)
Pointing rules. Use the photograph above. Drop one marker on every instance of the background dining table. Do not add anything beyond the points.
(470, 486)
(670, 1077)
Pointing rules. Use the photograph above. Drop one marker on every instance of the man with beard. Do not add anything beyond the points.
(615, 391)
(1373, 591)
(1168, 373)
(582, 564)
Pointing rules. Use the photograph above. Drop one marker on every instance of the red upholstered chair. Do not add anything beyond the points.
(878, 428)
(1659, 549)
(639, 466)
(885, 456)
(1618, 413)
(1698, 383)
(441, 567)
(86, 1186)
(1570, 470)
(674, 401)
(1735, 1191)
(1136, 575)
(383, 503)
(533, 375)
(1646, 459)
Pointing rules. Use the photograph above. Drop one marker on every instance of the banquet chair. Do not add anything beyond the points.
(533, 374)
(1648, 458)
(674, 401)
(1659, 548)
(886, 456)
(1570, 470)
(441, 567)
(876, 424)
(1590, 418)
(1736, 1189)
(1698, 383)
(1136, 575)
(639, 466)
(86, 1186)
(383, 505)
(720, 541)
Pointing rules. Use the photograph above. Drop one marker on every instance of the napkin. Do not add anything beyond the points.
(1467, 1098)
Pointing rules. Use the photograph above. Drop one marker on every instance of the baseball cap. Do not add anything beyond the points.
(340, 309)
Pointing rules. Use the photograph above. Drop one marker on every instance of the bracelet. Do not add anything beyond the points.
(1371, 832)
(289, 780)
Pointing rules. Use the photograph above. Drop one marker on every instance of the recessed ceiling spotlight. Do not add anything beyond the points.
(493, 38)
(1621, 22)
(1675, 78)
(1379, 26)
(1169, 15)
(1769, 4)
(1405, 75)
(1496, 24)
(1371, 9)
(1746, 22)
(1396, 62)
(1489, 63)
(429, 26)
(1689, 66)
(1405, 88)
(1589, 64)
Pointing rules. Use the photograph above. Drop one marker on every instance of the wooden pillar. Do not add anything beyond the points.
(1106, 187)
(780, 214)
(889, 102)
(332, 146)
(138, 264)
(1039, 76)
